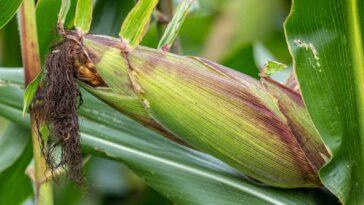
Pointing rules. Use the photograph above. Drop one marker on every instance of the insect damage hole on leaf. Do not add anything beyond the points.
(311, 47)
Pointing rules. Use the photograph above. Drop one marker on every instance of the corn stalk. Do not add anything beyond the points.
(31, 62)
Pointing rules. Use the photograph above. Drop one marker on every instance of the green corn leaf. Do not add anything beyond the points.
(10, 42)
(183, 175)
(327, 47)
(83, 15)
(30, 91)
(15, 155)
(70, 20)
(13, 141)
(7, 10)
(199, 98)
(104, 22)
(135, 24)
(46, 14)
(15, 186)
(65, 7)
(175, 25)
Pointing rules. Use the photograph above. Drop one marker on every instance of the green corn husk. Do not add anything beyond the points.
(261, 128)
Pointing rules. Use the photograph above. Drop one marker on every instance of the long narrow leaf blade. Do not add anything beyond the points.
(46, 36)
(175, 25)
(7, 10)
(104, 22)
(12, 144)
(65, 7)
(16, 186)
(327, 47)
(83, 15)
(135, 24)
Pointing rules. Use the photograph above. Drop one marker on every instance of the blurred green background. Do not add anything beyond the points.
(241, 34)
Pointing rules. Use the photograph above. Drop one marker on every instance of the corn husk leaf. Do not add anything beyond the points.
(219, 111)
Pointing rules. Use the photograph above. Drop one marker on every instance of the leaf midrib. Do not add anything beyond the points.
(357, 53)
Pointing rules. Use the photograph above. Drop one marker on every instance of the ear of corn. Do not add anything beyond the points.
(262, 130)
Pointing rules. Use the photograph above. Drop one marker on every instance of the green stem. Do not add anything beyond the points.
(31, 62)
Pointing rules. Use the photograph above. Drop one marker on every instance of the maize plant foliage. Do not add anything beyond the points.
(328, 57)
(237, 140)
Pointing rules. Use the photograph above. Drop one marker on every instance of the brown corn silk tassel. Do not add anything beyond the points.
(60, 102)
